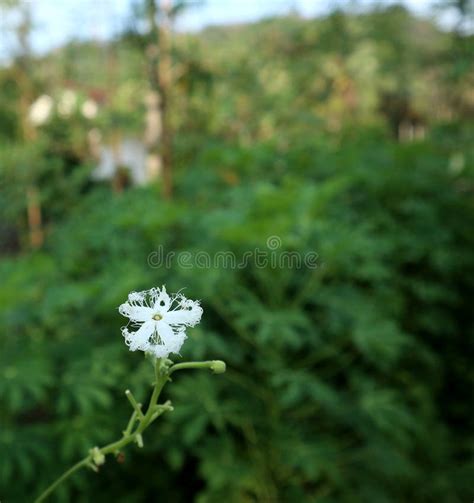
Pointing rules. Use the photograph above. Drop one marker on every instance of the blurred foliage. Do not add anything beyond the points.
(347, 382)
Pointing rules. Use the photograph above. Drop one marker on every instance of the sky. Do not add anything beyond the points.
(57, 21)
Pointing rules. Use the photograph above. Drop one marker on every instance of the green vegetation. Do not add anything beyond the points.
(349, 136)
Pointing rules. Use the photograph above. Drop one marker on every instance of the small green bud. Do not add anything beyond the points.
(165, 406)
(97, 456)
(218, 367)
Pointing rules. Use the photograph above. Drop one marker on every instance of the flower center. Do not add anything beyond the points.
(157, 317)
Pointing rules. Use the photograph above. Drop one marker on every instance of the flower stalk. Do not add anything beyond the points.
(139, 421)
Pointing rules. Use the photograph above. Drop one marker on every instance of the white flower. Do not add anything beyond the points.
(160, 320)
(41, 109)
(89, 109)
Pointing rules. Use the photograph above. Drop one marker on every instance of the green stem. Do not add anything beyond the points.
(64, 476)
(162, 373)
(136, 406)
(217, 366)
(161, 376)
(130, 424)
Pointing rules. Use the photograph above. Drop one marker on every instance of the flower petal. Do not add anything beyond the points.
(188, 317)
(178, 341)
(136, 313)
(140, 338)
(159, 351)
(171, 339)
(165, 333)
(162, 301)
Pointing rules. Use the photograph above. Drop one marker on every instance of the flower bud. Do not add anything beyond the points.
(218, 367)
(97, 456)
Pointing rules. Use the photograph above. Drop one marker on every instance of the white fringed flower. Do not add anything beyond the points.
(160, 320)
(41, 109)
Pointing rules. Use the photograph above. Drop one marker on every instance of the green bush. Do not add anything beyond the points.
(346, 382)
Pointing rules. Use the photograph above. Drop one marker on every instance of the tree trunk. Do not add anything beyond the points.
(33, 199)
(158, 134)
(164, 82)
(34, 217)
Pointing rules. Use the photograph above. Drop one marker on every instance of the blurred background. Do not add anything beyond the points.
(131, 128)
